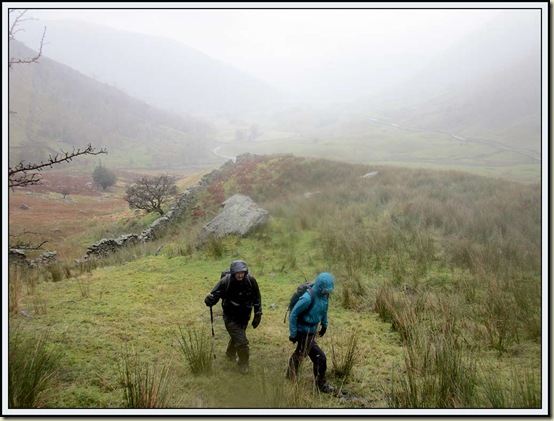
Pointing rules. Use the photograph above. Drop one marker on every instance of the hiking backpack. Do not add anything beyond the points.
(302, 288)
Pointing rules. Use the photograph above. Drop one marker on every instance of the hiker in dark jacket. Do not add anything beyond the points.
(240, 294)
(303, 327)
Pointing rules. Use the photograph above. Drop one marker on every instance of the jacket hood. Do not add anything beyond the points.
(324, 282)
(238, 266)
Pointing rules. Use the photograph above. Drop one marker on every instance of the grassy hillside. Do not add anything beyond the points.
(54, 107)
(438, 297)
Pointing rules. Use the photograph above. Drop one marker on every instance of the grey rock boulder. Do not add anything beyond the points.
(239, 216)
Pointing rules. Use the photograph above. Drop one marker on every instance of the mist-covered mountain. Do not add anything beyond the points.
(53, 107)
(159, 71)
(488, 86)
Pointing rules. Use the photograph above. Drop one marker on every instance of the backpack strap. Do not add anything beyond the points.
(227, 281)
(310, 306)
(312, 301)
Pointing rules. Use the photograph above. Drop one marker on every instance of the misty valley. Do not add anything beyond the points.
(420, 189)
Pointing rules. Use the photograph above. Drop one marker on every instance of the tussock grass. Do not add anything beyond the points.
(145, 384)
(178, 250)
(84, 283)
(33, 365)
(354, 293)
(523, 390)
(440, 373)
(56, 272)
(197, 350)
(278, 392)
(15, 288)
(344, 355)
(215, 247)
(435, 269)
(87, 266)
(500, 320)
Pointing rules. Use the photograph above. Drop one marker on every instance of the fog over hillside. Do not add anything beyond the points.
(489, 84)
(302, 80)
(425, 54)
(157, 70)
(336, 56)
(53, 107)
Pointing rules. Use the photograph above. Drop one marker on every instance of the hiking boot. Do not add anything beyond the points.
(243, 369)
(326, 388)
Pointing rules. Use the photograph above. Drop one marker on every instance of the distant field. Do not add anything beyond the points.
(480, 160)
(358, 140)
(47, 215)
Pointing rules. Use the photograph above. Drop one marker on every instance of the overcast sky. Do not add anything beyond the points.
(286, 46)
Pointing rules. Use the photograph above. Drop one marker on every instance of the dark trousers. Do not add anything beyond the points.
(307, 345)
(238, 344)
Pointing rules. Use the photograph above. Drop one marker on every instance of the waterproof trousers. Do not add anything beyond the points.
(307, 345)
(238, 343)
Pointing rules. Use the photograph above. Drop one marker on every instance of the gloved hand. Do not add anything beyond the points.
(322, 331)
(257, 320)
(210, 300)
(293, 339)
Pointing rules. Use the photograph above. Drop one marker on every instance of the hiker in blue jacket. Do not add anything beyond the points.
(303, 328)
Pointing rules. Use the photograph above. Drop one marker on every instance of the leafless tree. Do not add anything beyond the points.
(17, 17)
(150, 193)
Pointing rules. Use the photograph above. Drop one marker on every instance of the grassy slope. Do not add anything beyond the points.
(143, 303)
(365, 231)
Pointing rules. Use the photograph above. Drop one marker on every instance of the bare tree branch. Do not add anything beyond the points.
(14, 29)
(26, 245)
(27, 174)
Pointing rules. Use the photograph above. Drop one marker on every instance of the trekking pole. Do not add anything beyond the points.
(212, 319)
(213, 334)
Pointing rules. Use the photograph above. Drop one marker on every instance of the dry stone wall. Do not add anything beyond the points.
(184, 203)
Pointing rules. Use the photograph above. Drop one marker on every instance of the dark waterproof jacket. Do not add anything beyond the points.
(238, 297)
(302, 321)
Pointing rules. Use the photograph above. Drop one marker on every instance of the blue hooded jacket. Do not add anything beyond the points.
(308, 322)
